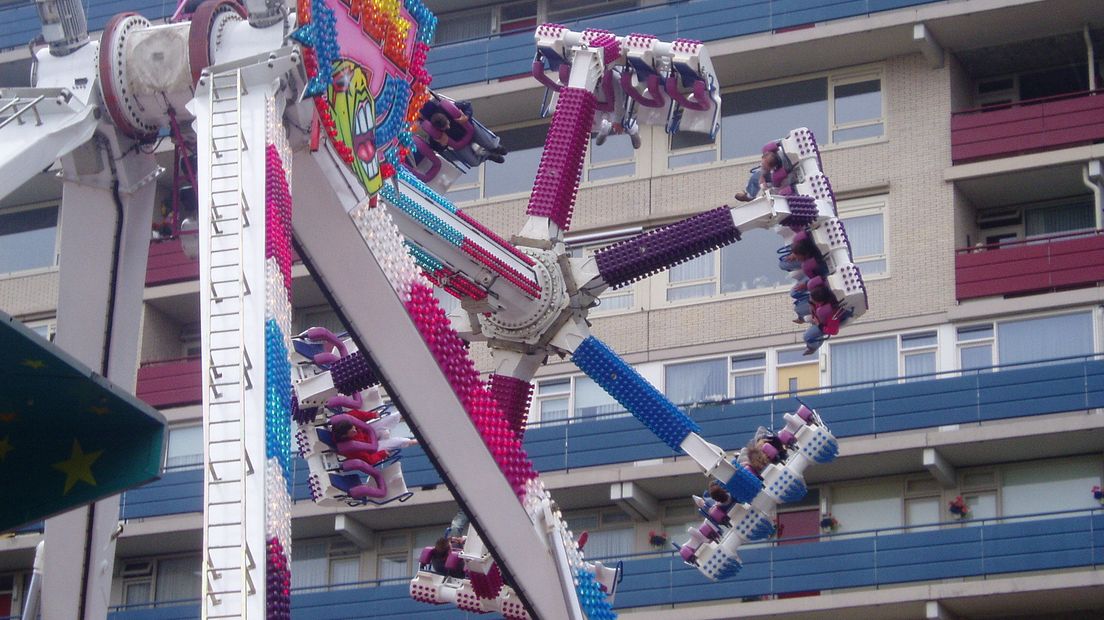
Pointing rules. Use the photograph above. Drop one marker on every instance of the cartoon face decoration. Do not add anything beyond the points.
(354, 114)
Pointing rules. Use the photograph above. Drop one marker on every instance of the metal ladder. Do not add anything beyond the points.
(227, 560)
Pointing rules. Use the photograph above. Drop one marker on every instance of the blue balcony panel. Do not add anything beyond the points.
(851, 412)
(176, 492)
(161, 612)
(503, 56)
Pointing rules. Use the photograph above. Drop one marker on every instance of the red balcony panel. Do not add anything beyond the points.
(1028, 126)
(1038, 265)
(168, 264)
(172, 383)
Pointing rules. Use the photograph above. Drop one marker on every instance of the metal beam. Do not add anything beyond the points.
(940, 469)
(358, 288)
(929, 47)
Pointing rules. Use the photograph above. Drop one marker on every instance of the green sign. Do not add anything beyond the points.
(67, 436)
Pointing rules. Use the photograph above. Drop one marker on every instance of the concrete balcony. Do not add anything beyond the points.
(171, 383)
(1065, 261)
(1027, 126)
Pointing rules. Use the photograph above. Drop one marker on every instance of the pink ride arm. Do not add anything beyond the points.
(655, 95)
(699, 101)
(365, 490)
(355, 421)
(561, 164)
(352, 447)
(325, 335)
(539, 75)
(512, 395)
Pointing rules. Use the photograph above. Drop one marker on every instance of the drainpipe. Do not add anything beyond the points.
(1092, 174)
(1092, 59)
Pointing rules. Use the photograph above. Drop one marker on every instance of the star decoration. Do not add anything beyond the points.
(78, 467)
(7, 416)
(5, 448)
(35, 364)
(99, 409)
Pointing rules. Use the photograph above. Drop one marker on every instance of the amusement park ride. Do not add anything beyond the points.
(314, 107)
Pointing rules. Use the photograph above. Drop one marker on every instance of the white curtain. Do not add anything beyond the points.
(694, 382)
(1058, 219)
(591, 400)
(869, 360)
(185, 447)
(345, 570)
(178, 578)
(308, 564)
(463, 26)
(610, 543)
(1049, 486)
(867, 236)
(1045, 338)
(749, 385)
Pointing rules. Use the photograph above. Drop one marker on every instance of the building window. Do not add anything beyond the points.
(577, 397)
(1061, 218)
(695, 382)
(161, 580)
(47, 328)
(1025, 340)
(319, 316)
(749, 375)
(614, 158)
(610, 534)
(870, 506)
(867, 236)
(28, 238)
(752, 263)
(979, 491)
(463, 25)
(324, 563)
(857, 109)
(918, 354)
(611, 299)
(1049, 486)
(975, 347)
(837, 108)
(393, 566)
(185, 448)
(862, 361)
(516, 175)
(923, 497)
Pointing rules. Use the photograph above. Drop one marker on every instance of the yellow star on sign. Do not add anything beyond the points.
(78, 467)
(5, 448)
(35, 364)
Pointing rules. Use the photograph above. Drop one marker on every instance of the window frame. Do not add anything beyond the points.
(849, 208)
(165, 467)
(54, 266)
(734, 373)
(841, 77)
(536, 414)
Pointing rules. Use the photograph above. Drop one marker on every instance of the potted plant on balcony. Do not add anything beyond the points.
(657, 539)
(1098, 494)
(828, 523)
(958, 508)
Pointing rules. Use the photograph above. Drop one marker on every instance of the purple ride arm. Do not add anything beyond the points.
(665, 247)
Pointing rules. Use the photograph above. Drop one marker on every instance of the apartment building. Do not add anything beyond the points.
(965, 144)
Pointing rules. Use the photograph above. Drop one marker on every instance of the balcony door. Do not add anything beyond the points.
(804, 526)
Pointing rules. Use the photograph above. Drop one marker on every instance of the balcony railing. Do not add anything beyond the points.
(1068, 260)
(168, 264)
(507, 55)
(1027, 126)
(171, 383)
(898, 404)
(874, 558)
